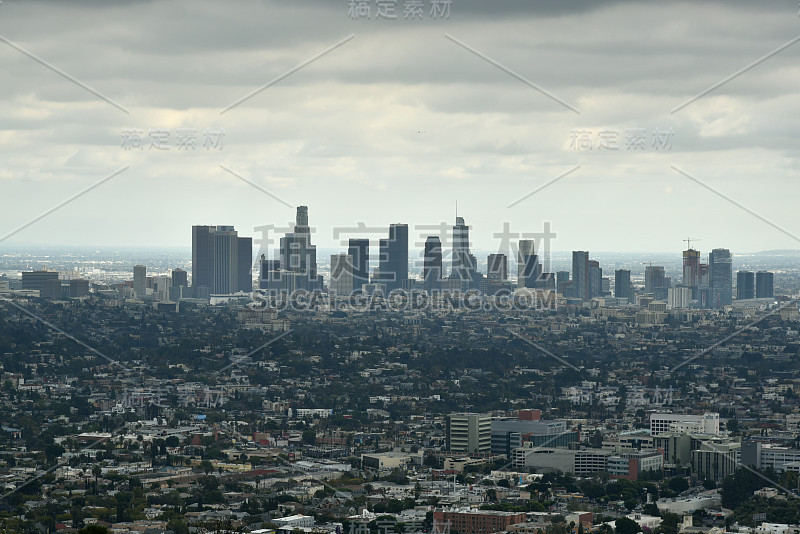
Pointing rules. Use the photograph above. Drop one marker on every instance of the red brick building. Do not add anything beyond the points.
(465, 521)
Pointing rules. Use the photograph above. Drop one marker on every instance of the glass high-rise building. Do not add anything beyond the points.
(244, 276)
(764, 285)
(432, 264)
(461, 262)
(359, 250)
(139, 280)
(745, 284)
(595, 275)
(720, 277)
(580, 274)
(622, 284)
(393, 265)
(528, 269)
(563, 282)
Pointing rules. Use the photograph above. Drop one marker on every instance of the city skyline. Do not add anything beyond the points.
(410, 266)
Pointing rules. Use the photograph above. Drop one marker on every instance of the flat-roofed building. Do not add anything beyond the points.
(470, 521)
(578, 462)
(469, 432)
(35, 279)
(708, 423)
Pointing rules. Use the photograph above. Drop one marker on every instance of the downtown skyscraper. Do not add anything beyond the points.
(580, 275)
(764, 285)
(622, 284)
(359, 250)
(463, 263)
(298, 255)
(393, 262)
(432, 264)
(221, 260)
(527, 264)
(721, 277)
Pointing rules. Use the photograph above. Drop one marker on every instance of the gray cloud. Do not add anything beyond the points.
(400, 122)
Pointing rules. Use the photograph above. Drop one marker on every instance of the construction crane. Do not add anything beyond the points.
(689, 242)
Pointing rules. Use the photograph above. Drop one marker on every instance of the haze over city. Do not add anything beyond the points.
(399, 266)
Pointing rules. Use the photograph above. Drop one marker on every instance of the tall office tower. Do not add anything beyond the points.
(468, 432)
(528, 269)
(139, 281)
(622, 284)
(580, 274)
(245, 264)
(203, 256)
(432, 264)
(269, 274)
(180, 278)
(221, 260)
(497, 267)
(359, 249)
(720, 277)
(595, 275)
(462, 266)
(562, 282)
(342, 278)
(654, 278)
(691, 267)
(545, 280)
(393, 264)
(745, 282)
(298, 255)
(226, 260)
(475, 276)
(764, 287)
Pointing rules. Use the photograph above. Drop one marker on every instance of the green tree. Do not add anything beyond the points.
(309, 436)
(206, 466)
(678, 484)
(96, 471)
(177, 526)
(627, 526)
(669, 523)
(93, 529)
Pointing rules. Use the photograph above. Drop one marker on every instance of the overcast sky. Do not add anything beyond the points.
(400, 121)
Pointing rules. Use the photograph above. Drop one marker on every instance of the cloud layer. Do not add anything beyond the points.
(400, 122)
